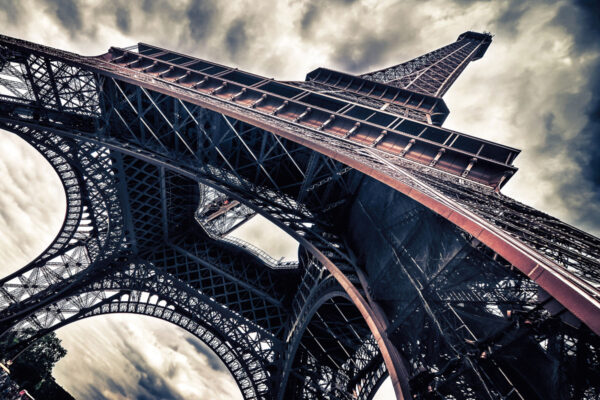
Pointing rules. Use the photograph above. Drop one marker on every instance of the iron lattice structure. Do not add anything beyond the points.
(411, 263)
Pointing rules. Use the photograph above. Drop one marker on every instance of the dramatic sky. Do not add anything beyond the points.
(537, 88)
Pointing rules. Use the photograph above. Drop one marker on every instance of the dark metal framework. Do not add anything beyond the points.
(411, 263)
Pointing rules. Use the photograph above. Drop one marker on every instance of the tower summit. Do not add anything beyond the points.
(411, 262)
(433, 73)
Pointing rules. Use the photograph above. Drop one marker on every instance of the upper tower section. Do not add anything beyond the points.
(433, 73)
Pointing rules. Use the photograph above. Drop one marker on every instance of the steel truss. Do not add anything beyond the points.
(411, 264)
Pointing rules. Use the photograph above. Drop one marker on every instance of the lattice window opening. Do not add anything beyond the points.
(77, 88)
(13, 81)
(12, 72)
(363, 355)
(245, 235)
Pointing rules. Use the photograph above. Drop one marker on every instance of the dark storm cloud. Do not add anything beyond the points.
(586, 149)
(356, 46)
(510, 17)
(151, 6)
(583, 23)
(314, 9)
(363, 53)
(151, 383)
(12, 10)
(93, 393)
(169, 11)
(236, 38)
(115, 387)
(200, 14)
(67, 12)
(154, 387)
(308, 18)
(593, 137)
(214, 361)
(123, 19)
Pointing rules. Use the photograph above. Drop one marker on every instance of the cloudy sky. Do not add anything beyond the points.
(537, 89)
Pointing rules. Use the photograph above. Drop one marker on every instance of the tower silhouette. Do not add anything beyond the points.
(411, 263)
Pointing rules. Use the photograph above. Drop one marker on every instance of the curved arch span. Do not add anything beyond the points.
(139, 346)
(249, 375)
(73, 206)
(332, 326)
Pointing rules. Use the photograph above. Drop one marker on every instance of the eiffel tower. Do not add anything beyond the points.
(411, 263)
